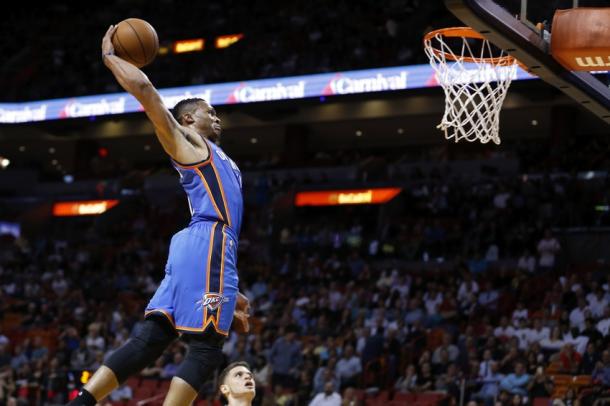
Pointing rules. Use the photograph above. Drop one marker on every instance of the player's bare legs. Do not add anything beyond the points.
(180, 393)
(102, 383)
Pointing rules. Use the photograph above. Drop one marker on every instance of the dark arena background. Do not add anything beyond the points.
(384, 264)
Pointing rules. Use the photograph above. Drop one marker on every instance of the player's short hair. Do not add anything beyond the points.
(228, 368)
(184, 106)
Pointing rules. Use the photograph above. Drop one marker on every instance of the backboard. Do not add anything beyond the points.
(513, 25)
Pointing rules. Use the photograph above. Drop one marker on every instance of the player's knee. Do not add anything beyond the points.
(203, 357)
(147, 344)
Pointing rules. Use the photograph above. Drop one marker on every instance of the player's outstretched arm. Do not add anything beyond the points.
(173, 136)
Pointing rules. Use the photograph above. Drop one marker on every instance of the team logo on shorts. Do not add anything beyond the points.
(213, 301)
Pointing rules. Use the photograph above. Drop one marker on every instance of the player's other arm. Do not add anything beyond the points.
(173, 137)
(241, 315)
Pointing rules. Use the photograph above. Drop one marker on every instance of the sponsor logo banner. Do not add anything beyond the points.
(260, 91)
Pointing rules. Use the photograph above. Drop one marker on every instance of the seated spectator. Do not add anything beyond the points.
(540, 386)
(39, 351)
(598, 302)
(448, 310)
(507, 363)
(170, 369)
(516, 382)
(601, 373)
(589, 359)
(95, 342)
(348, 368)
(518, 400)
(350, 398)
(554, 342)
(452, 350)
(425, 379)
(527, 262)
(155, 370)
(568, 399)
(121, 394)
(326, 374)
(4, 341)
(488, 297)
(285, 358)
(442, 363)
(520, 313)
(82, 357)
(579, 314)
(415, 312)
(603, 326)
(467, 287)
(485, 367)
(408, 381)
(327, 398)
(505, 330)
(449, 382)
(569, 359)
(19, 358)
(522, 334)
(490, 385)
(548, 247)
(591, 332)
(575, 337)
(305, 387)
(538, 332)
(261, 371)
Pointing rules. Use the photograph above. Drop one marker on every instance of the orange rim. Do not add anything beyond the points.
(464, 32)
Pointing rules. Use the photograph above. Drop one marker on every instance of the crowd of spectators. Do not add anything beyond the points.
(332, 317)
(57, 55)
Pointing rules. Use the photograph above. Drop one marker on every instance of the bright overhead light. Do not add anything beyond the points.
(253, 140)
(400, 131)
(358, 133)
(4, 162)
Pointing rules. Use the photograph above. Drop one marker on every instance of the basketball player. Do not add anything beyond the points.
(237, 385)
(197, 298)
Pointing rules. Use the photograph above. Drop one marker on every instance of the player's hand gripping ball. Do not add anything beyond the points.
(241, 314)
(135, 41)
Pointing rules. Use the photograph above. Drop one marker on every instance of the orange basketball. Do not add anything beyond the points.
(136, 41)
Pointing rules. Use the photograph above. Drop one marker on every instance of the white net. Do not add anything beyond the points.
(475, 77)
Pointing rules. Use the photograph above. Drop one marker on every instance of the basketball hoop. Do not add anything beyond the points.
(475, 76)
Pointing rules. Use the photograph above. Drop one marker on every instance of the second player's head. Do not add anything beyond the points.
(199, 115)
(236, 382)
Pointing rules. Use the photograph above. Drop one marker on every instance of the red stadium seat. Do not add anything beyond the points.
(541, 402)
(405, 398)
(164, 386)
(381, 398)
(360, 394)
(133, 382)
(146, 389)
(435, 338)
(431, 398)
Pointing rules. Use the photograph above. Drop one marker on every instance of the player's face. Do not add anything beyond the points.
(207, 121)
(239, 383)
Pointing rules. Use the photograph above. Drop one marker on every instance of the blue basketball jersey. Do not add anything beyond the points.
(213, 189)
